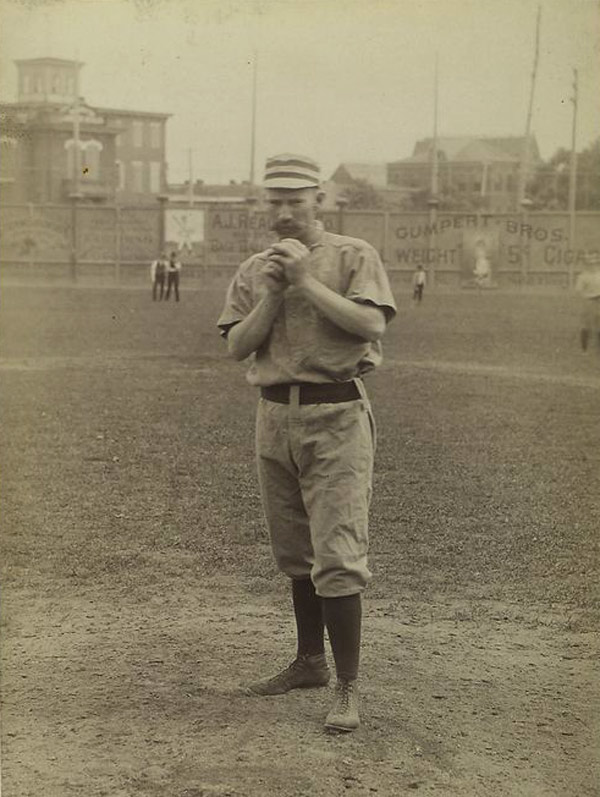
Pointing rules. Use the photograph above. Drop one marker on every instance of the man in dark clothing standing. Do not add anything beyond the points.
(173, 272)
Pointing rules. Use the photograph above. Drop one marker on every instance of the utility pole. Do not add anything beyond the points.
(433, 198)
(253, 122)
(75, 194)
(573, 176)
(190, 178)
(76, 146)
(434, 152)
(524, 170)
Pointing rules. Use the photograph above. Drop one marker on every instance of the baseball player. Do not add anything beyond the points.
(419, 282)
(309, 313)
(588, 287)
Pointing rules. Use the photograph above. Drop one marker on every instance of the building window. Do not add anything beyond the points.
(120, 168)
(89, 159)
(137, 177)
(155, 137)
(138, 133)
(8, 159)
(56, 84)
(39, 84)
(155, 170)
(70, 147)
(70, 86)
(26, 84)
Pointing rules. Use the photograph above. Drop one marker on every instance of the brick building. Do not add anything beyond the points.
(121, 152)
(486, 168)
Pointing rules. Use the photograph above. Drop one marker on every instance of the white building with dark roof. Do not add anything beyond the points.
(121, 152)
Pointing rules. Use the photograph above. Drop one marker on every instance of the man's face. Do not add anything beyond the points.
(292, 211)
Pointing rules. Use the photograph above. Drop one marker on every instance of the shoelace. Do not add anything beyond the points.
(345, 690)
(284, 675)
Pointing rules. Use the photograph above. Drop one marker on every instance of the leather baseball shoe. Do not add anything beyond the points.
(303, 673)
(344, 712)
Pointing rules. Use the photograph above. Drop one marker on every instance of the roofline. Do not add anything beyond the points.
(128, 112)
(96, 108)
(51, 60)
(427, 162)
(485, 137)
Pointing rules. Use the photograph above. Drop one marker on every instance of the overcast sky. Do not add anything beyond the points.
(341, 80)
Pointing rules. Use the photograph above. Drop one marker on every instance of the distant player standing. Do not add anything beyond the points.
(588, 287)
(419, 282)
(310, 312)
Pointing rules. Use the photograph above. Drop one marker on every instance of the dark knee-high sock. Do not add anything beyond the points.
(343, 617)
(309, 618)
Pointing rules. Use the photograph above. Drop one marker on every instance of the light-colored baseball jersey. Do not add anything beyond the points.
(304, 346)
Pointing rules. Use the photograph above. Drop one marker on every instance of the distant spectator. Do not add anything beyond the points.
(158, 272)
(173, 272)
(419, 282)
(588, 287)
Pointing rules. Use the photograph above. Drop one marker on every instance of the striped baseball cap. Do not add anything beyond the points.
(291, 171)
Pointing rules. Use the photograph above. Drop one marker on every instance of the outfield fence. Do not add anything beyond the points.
(115, 244)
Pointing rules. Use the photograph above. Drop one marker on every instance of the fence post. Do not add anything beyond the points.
(526, 203)
(433, 202)
(117, 244)
(162, 199)
(31, 248)
(74, 202)
(386, 239)
(571, 266)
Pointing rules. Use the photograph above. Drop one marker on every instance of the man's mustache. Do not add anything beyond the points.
(282, 226)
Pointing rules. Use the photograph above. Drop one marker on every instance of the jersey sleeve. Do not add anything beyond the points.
(368, 282)
(238, 301)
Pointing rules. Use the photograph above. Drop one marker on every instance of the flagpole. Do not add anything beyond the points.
(573, 174)
(523, 172)
(253, 123)
(434, 164)
(433, 199)
(190, 179)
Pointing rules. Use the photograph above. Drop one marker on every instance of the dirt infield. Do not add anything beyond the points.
(138, 591)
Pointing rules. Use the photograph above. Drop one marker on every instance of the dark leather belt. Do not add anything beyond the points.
(310, 393)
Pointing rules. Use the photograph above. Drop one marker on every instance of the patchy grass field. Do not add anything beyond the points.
(138, 591)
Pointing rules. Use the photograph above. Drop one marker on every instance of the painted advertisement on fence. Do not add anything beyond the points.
(139, 233)
(96, 234)
(35, 234)
(477, 249)
(184, 229)
(235, 234)
(458, 247)
(480, 257)
(509, 243)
